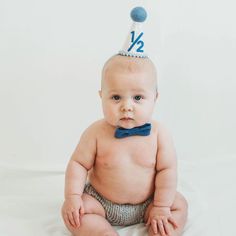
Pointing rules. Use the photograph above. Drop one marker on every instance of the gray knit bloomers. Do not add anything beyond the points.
(120, 214)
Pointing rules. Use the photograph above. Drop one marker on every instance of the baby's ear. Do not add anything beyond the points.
(157, 95)
(100, 93)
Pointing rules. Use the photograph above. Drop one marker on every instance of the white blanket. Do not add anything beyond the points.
(30, 202)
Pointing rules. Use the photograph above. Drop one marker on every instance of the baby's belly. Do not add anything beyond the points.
(124, 185)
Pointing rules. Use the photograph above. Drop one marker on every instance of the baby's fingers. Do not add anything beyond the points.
(76, 218)
(71, 219)
(154, 226)
(173, 222)
(161, 227)
(81, 210)
(166, 226)
(66, 220)
(148, 221)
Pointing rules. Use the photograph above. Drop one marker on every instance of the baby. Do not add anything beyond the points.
(129, 159)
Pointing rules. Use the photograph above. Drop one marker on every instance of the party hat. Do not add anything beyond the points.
(135, 45)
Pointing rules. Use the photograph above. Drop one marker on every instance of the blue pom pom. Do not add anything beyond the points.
(138, 14)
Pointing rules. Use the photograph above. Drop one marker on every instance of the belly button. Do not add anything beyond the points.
(105, 164)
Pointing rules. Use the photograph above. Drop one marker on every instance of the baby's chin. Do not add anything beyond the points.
(129, 124)
(126, 124)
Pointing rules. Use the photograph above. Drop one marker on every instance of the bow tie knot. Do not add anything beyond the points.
(143, 130)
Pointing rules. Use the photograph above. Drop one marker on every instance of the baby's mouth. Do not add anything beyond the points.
(126, 119)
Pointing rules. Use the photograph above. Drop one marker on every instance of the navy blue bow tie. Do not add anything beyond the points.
(143, 130)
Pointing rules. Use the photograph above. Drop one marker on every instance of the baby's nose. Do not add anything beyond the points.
(127, 106)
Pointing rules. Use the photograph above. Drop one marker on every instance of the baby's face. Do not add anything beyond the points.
(128, 96)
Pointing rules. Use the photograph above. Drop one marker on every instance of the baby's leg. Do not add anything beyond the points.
(179, 213)
(93, 222)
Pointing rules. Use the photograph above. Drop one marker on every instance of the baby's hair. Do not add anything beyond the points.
(130, 64)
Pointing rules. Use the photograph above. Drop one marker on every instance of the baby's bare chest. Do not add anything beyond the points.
(127, 152)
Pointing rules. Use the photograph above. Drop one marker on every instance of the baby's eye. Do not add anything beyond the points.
(138, 97)
(116, 97)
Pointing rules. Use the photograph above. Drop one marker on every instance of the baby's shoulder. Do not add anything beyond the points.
(164, 137)
(95, 127)
(160, 128)
(157, 125)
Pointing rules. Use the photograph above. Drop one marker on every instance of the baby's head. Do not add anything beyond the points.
(128, 91)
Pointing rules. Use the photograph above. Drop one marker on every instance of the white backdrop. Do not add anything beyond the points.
(52, 53)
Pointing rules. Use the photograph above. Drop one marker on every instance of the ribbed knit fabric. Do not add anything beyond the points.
(120, 214)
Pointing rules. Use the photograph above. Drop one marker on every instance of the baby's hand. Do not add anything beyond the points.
(72, 209)
(159, 218)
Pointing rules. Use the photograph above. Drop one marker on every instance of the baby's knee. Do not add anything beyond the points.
(183, 204)
(180, 203)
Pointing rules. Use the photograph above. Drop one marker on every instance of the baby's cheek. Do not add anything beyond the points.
(111, 116)
(145, 115)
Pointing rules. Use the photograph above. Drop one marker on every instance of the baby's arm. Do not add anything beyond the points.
(81, 161)
(166, 178)
(165, 184)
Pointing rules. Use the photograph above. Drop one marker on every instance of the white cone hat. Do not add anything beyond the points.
(135, 45)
